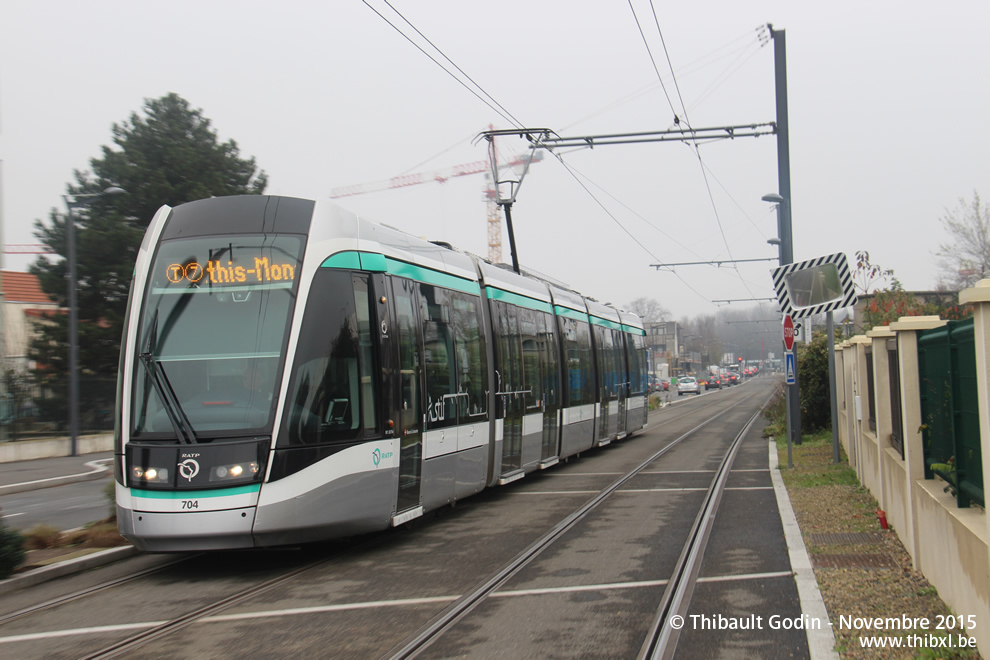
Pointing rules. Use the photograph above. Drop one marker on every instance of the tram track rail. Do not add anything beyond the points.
(89, 591)
(661, 638)
(174, 625)
(416, 644)
(443, 621)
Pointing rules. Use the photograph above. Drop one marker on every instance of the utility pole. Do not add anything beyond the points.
(784, 189)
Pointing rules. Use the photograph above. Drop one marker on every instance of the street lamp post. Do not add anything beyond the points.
(75, 202)
(785, 251)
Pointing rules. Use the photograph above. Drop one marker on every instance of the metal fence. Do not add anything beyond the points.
(30, 408)
(950, 409)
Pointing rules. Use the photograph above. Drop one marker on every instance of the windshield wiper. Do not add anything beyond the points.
(159, 380)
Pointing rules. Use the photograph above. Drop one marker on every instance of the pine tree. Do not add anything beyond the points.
(169, 154)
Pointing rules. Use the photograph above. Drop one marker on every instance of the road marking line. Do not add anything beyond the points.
(342, 607)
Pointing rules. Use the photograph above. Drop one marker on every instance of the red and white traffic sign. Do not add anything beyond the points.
(788, 333)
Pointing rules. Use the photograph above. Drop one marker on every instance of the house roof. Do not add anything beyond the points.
(23, 288)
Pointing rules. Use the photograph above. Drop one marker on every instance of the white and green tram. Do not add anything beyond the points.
(292, 373)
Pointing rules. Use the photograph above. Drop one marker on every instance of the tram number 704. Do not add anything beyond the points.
(190, 504)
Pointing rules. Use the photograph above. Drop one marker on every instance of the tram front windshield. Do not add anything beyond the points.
(213, 327)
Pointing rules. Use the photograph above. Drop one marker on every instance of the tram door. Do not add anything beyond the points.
(551, 385)
(410, 429)
(623, 389)
(606, 383)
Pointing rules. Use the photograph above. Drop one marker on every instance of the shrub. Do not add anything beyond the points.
(776, 413)
(40, 537)
(110, 492)
(95, 535)
(815, 400)
(11, 550)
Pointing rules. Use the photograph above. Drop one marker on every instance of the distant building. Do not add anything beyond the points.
(668, 356)
(23, 302)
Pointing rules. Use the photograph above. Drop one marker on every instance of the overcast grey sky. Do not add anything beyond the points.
(889, 106)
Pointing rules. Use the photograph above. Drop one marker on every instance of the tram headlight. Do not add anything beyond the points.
(153, 475)
(235, 472)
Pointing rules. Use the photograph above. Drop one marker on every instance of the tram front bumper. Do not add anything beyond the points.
(187, 531)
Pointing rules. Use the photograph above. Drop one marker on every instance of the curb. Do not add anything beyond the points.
(69, 567)
(821, 642)
(98, 471)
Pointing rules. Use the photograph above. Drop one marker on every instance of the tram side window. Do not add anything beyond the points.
(605, 364)
(637, 365)
(333, 396)
(471, 364)
(621, 377)
(366, 357)
(548, 351)
(439, 357)
(532, 383)
(576, 338)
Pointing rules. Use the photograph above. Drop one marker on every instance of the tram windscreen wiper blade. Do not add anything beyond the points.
(159, 380)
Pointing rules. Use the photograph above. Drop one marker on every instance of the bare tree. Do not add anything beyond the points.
(867, 273)
(649, 310)
(965, 258)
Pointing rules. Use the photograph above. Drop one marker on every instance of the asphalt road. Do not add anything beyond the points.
(62, 507)
(592, 594)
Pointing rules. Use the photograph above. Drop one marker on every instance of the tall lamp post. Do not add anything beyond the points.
(76, 202)
(785, 252)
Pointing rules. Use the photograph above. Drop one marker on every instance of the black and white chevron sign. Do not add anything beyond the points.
(846, 298)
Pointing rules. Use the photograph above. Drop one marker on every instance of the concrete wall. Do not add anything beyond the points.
(26, 450)
(947, 544)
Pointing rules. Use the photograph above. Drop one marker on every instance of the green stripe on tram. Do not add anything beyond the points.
(373, 262)
(379, 263)
(349, 260)
(194, 494)
(597, 320)
(567, 312)
(633, 330)
(521, 301)
(430, 276)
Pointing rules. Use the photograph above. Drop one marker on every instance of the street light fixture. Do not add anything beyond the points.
(76, 202)
(783, 226)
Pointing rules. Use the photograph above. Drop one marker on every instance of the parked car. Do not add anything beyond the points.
(666, 384)
(713, 383)
(688, 384)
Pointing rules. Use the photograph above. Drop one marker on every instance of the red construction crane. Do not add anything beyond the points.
(441, 176)
(22, 248)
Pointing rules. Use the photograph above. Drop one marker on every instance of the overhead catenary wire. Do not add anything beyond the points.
(693, 67)
(670, 66)
(734, 201)
(574, 172)
(631, 210)
(671, 104)
(732, 68)
(420, 164)
(694, 144)
(487, 99)
(621, 226)
(465, 80)
(653, 62)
